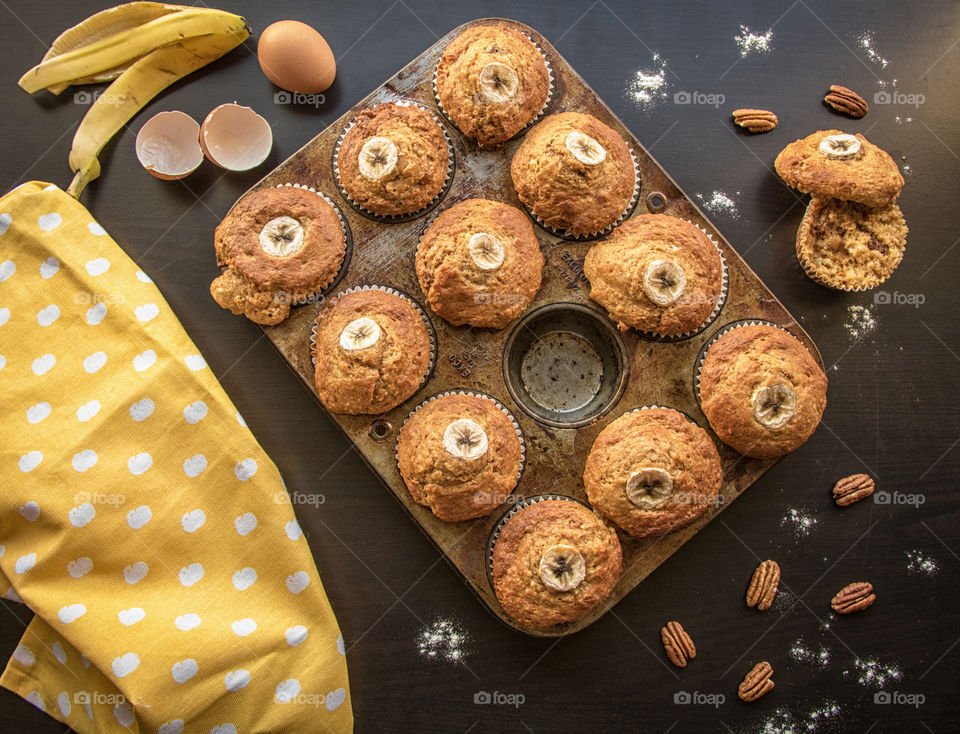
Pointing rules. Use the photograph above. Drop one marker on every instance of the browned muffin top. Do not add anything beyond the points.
(394, 159)
(553, 562)
(479, 263)
(491, 81)
(460, 456)
(656, 273)
(836, 165)
(372, 352)
(652, 472)
(575, 173)
(762, 391)
(278, 244)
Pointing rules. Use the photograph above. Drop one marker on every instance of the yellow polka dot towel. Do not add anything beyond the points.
(139, 518)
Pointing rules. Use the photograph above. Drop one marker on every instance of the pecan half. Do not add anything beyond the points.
(677, 643)
(756, 121)
(758, 682)
(763, 585)
(846, 101)
(853, 597)
(852, 489)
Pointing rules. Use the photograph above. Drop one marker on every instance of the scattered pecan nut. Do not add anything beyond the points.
(846, 101)
(852, 489)
(677, 643)
(763, 585)
(758, 682)
(756, 121)
(853, 597)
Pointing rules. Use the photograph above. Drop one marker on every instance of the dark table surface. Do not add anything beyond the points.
(892, 402)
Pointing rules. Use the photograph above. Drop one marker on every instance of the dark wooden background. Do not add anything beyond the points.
(893, 403)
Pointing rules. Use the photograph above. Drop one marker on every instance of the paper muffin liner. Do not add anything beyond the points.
(432, 334)
(718, 307)
(803, 237)
(702, 356)
(474, 394)
(654, 406)
(627, 211)
(397, 218)
(533, 120)
(347, 247)
(505, 518)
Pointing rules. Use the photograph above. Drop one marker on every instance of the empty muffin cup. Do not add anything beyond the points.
(565, 364)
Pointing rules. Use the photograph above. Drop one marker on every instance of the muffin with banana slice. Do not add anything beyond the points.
(278, 246)
(392, 159)
(554, 561)
(574, 173)
(491, 81)
(479, 263)
(652, 471)
(658, 274)
(373, 351)
(761, 390)
(849, 246)
(460, 455)
(837, 165)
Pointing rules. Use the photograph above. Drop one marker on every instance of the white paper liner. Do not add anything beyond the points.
(396, 218)
(474, 394)
(392, 291)
(627, 211)
(533, 120)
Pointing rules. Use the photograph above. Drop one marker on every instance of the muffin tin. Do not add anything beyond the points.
(561, 417)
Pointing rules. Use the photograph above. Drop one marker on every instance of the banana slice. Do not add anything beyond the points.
(282, 236)
(465, 439)
(486, 251)
(663, 282)
(378, 157)
(840, 147)
(585, 149)
(774, 405)
(360, 334)
(562, 568)
(649, 487)
(498, 83)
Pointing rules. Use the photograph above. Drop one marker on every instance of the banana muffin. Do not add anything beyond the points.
(278, 247)
(762, 391)
(833, 164)
(574, 173)
(845, 245)
(372, 352)
(652, 471)
(492, 81)
(393, 159)
(553, 562)
(479, 263)
(460, 456)
(656, 273)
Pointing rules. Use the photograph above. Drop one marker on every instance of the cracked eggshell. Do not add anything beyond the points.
(168, 146)
(296, 58)
(235, 137)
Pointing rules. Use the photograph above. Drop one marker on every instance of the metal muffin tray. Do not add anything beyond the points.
(528, 365)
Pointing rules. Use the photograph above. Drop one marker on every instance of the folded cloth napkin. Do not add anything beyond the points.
(140, 520)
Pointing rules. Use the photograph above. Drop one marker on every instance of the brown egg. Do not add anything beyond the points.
(295, 57)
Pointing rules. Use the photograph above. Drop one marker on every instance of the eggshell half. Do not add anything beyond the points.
(235, 137)
(167, 145)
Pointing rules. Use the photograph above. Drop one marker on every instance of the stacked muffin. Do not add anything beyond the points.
(853, 235)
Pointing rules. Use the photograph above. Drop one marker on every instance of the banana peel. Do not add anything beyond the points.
(132, 90)
(144, 47)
